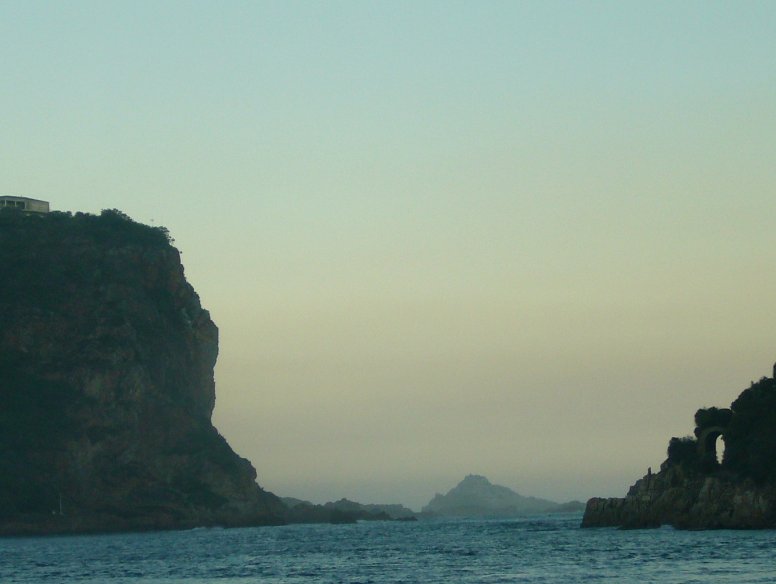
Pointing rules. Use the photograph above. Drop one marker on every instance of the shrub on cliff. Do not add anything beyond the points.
(110, 226)
(708, 417)
(68, 248)
(749, 433)
(683, 452)
(750, 440)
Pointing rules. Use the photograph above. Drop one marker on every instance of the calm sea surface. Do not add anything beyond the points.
(536, 549)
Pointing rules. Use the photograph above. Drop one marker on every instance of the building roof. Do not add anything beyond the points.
(15, 198)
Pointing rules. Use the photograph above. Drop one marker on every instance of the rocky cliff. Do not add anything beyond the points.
(106, 382)
(693, 489)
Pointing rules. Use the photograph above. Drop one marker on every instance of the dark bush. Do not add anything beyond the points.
(708, 417)
(750, 440)
(683, 451)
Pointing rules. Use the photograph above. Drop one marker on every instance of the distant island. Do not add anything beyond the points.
(693, 490)
(476, 496)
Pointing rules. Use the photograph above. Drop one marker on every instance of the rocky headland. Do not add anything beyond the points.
(106, 382)
(693, 489)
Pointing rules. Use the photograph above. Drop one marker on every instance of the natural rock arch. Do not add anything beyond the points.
(707, 441)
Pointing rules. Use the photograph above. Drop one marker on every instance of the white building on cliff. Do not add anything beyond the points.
(24, 204)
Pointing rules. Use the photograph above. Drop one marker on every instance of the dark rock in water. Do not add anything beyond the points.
(106, 382)
(475, 496)
(693, 490)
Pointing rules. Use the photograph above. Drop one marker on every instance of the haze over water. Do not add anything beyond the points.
(525, 240)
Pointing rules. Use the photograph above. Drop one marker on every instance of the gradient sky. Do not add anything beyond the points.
(520, 239)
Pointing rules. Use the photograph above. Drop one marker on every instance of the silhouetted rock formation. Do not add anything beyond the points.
(693, 490)
(106, 381)
(344, 511)
(475, 496)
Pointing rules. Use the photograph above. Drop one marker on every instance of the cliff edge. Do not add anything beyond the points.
(106, 382)
(694, 489)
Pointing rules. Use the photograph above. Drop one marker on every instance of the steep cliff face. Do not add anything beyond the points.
(695, 491)
(106, 382)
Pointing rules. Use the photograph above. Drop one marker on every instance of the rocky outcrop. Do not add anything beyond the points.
(344, 511)
(695, 491)
(686, 501)
(476, 496)
(106, 381)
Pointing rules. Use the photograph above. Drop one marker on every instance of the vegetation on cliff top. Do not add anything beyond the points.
(748, 429)
(66, 245)
(109, 225)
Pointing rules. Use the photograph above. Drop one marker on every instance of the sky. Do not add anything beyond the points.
(519, 239)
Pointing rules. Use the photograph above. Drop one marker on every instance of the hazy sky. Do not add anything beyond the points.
(521, 239)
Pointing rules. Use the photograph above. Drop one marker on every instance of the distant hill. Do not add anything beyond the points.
(476, 496)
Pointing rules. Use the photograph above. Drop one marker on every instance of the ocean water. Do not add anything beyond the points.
(535, 549)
